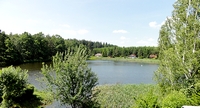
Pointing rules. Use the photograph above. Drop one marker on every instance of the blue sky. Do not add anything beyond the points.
(119, 22)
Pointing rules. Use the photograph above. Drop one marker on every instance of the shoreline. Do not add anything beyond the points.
(145, 60)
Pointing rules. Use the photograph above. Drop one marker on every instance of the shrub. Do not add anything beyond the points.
(12, 81)
(15, 89)
(193, 94)
(175, 99)
(147, 100)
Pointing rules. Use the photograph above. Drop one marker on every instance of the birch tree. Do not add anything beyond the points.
(179, 47)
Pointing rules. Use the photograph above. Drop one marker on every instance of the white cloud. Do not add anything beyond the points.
(123, 41)
(162, 23)
(82, 31)
(120, 31)
(148, 42)
(154, 24)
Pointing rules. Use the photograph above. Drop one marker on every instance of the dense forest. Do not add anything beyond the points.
(140, 52)
(25, 47)
(19, 48)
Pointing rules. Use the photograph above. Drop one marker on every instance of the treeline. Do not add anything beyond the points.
(140, 52)
(20, 48)
(25, 47)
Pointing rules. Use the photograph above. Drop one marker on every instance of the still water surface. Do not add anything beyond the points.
(108, 72)
(112, 72)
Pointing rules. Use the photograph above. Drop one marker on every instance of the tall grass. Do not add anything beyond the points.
(121, 96)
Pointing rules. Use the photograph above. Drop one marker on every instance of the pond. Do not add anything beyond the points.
(112, 72)
(108, 72)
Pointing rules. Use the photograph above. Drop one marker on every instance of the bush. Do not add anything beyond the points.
(12, 81)
(15, 89)
(147, 100)
(175, 99)
(193, 94)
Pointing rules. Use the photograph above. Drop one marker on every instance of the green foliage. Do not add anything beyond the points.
(70, 78)
(148, 99)
(12, 83)
(179, 47)
(174, 100)
(25, 47)
(120, 96)
(194, 99)
(144, 96)
(46, 98)
(3, 37)
(140, 52)
(152, 61)
(15, 90)
(193, 94)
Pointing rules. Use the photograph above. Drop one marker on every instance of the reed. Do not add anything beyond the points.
(121, 96)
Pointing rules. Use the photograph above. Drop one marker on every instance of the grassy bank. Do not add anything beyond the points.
(143, 96)
(46, 98)
(154, 61)
(118, 96)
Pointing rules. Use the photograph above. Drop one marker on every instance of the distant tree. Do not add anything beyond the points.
(70, 78)
(178, 46)
(40, 47)
(25, 46)
(3, 48)
(12, 54)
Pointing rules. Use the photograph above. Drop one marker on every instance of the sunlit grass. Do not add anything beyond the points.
(46, 98)
(121, 96)
(93, 58)
(145, 60)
